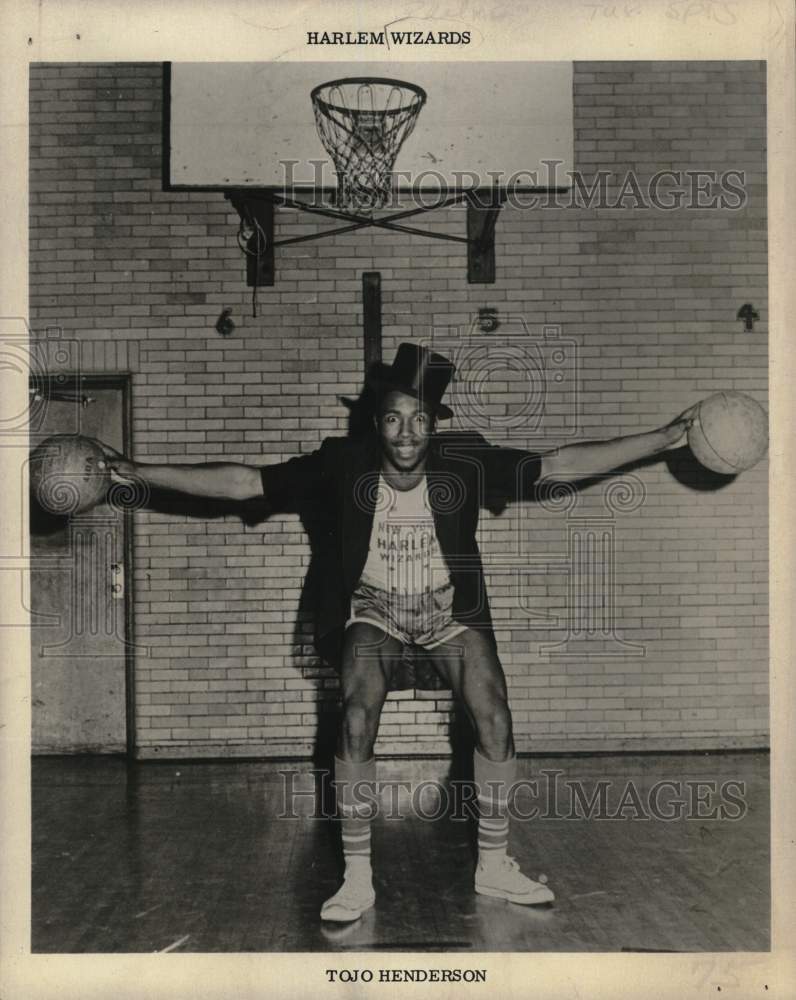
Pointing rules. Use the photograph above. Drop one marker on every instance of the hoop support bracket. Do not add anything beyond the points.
(256, 208)
(481, 221)
(257, 230)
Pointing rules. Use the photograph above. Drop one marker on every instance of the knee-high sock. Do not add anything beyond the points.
(493, 779)
(355, 814)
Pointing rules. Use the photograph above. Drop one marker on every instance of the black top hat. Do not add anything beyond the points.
(417, 372)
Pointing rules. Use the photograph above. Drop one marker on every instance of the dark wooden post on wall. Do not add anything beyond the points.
(371, 317)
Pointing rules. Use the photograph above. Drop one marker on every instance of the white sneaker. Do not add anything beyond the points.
(504, 880)
(351, 900)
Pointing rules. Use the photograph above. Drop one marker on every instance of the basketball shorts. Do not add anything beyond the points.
(424, 620)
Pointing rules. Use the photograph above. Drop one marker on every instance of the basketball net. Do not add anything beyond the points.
(362, 124)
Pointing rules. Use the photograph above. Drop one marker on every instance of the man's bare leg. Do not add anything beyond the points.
(368, 654)
(471, 665)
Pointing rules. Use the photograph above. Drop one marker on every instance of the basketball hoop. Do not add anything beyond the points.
(362, 123)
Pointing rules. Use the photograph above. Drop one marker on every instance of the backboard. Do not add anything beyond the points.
(484, 124)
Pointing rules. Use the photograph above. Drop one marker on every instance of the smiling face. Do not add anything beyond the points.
(405, 427)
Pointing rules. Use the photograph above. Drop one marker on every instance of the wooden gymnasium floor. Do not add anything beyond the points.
(191, 857)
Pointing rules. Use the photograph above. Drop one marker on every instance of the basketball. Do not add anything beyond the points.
(729, 433)
(66, 476)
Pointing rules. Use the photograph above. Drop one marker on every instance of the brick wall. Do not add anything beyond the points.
(648, 301)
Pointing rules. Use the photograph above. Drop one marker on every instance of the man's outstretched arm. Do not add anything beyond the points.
(594, 458)
(219, 480)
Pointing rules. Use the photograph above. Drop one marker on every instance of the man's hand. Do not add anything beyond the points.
(676, 431)
(580, 461)
(121, 469)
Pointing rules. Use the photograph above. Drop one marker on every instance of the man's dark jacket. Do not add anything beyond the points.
(338, 482)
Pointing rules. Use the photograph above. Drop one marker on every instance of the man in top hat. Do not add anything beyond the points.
(399, 568)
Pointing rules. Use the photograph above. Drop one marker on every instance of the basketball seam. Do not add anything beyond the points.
(705, 438)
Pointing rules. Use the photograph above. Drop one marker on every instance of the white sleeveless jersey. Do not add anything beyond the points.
(404, 555)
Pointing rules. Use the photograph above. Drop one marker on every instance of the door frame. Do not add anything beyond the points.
(72, 382)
